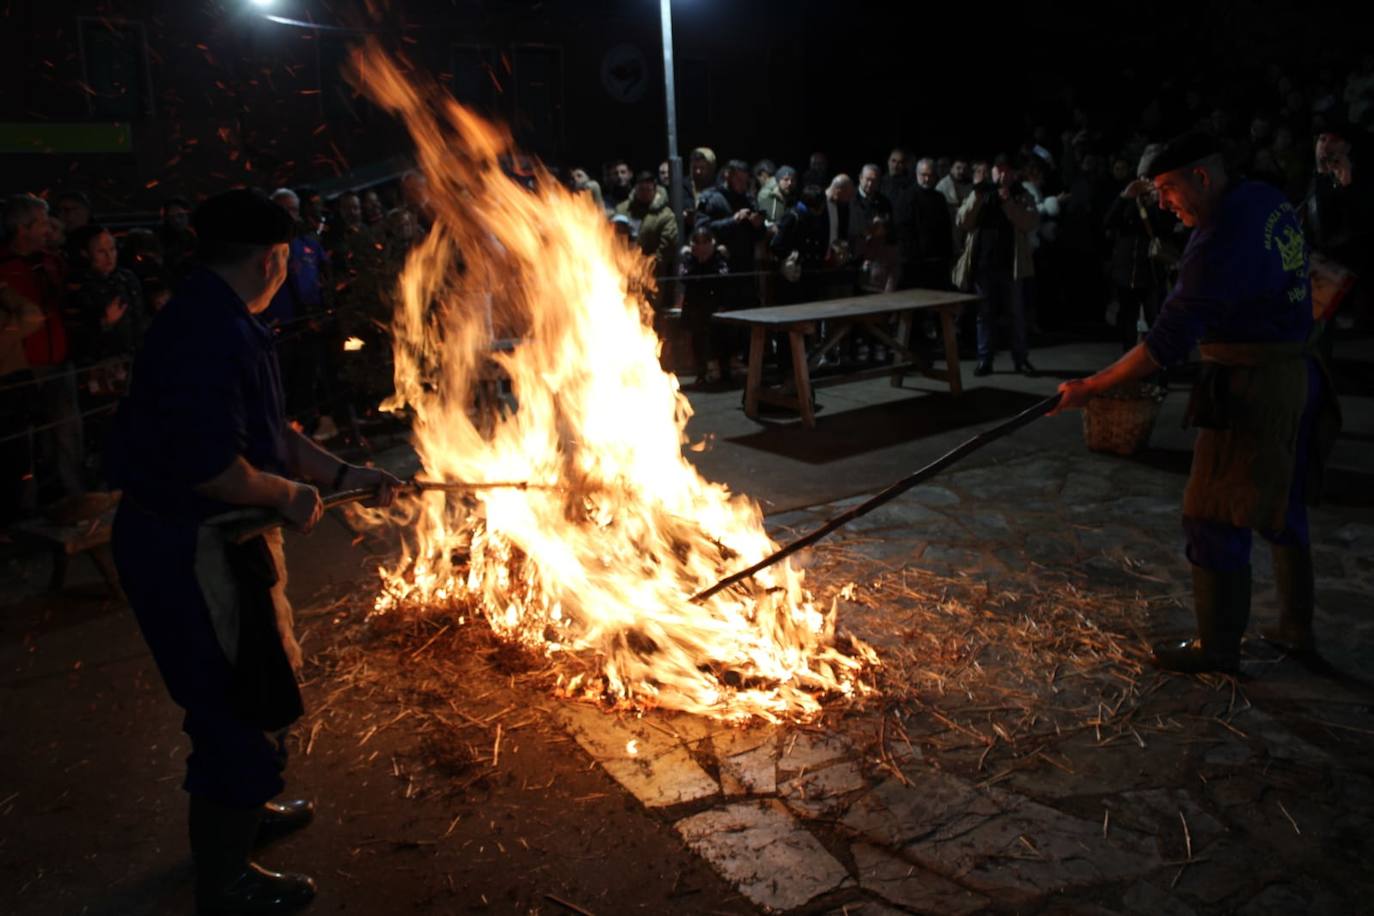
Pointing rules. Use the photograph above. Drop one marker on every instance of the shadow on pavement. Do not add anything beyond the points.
(853, 432)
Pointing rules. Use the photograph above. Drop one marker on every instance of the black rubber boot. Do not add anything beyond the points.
(1296, 584)
(226, 881)
(282, 817)
(1221, 601)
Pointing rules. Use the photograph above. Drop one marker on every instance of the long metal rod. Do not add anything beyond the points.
(897, 489)
(246, 524)
(459, 487)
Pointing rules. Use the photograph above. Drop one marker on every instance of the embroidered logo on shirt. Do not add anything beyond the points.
(1291, 249)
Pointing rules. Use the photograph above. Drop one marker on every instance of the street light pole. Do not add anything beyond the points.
(670, 91)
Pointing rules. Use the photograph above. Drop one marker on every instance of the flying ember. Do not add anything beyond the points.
(595, 566)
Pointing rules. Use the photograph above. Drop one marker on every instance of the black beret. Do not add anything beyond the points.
(242, 217)
(1180, 152)
(1333, 122)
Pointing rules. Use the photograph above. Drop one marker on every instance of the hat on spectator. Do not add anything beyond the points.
(704, 152)
(1334, 122)
(1147, 158)
(1180, 152)
(242, 217)
(786, 172)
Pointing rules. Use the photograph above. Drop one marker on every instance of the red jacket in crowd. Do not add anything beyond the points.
(38, 278)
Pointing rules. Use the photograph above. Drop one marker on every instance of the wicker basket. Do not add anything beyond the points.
(1121, 420)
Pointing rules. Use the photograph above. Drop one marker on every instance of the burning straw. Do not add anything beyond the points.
(597, 569)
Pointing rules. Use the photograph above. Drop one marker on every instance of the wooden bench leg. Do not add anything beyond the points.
(59, 569)
(904, 338)
(757, 338)
(947, 329)
(801, 374)
(104, 564)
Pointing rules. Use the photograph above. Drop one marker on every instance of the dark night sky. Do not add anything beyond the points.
(756, 78)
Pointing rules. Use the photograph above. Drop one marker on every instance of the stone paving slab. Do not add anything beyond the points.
(917, 890)
(1032, 851)
(1157, 812)
(658, 770)
(807, 750)
(1143, 899)
(1000, 843)
(822, 793)
(1034, 835)
(765, 852)
(748, 762)
(893, 814)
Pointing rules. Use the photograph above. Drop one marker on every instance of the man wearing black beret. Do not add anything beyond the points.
(202, 432)
(1263, 404)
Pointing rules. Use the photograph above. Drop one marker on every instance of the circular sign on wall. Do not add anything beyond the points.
(625, 73)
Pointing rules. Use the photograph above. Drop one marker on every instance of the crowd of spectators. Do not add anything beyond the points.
(1055, 232)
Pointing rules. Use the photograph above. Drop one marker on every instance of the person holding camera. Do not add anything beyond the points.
(1000, 217)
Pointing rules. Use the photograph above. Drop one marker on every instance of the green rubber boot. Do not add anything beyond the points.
(1221, 601)
(226, 880)
(1296, 583)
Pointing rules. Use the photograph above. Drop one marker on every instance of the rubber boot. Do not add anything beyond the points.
(1297, 586)
(280, 818)
(1221, 601)
(226, 880)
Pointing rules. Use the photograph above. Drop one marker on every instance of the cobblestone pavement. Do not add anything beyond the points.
(1213, 795)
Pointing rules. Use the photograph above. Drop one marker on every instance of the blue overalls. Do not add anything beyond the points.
(206, 390)
(1243, 280)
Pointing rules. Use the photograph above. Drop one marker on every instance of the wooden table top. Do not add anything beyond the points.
(855, 307)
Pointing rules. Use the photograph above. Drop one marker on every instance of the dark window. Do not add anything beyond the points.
(479, 79)
(114, 59)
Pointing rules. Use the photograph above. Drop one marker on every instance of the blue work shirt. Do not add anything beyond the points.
(303, 292)
(1242, 279)
(206, 390)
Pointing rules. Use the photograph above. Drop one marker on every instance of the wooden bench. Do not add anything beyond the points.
(82, 528)
(841, 317)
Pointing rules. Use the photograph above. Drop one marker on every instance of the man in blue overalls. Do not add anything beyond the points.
(201, 432)
(1263, 406)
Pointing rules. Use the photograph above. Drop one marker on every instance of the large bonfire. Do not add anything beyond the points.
(597, 564)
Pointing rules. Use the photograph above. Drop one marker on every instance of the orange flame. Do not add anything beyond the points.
(597, 570)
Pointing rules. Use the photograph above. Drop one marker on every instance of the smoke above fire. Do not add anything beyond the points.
(597, 568)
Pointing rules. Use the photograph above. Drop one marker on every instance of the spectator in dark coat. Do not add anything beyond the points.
(177, 238)
(869, 201)
(817, 170)
(736, 221)
(1134, 220)
(898, 180)
(801, 244)
(702, 268)
(103, 309)
(73, 209)
(929, 249)
(618, 185)
(1340, 210)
